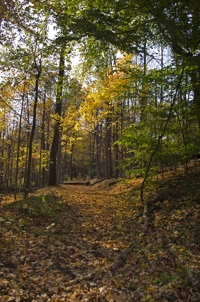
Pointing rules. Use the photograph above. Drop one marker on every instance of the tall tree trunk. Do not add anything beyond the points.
(71, 163)
(43, 138)
(97, 151)
(121, 131)
(109, 148)
(195, 77)
(7, 165)
(27, 140)
(162, 66)
(93, 154)
(106, 150)
(12, 155)
(116, 147)
(144, 98)
(54, 148)
(65, 163)
(40, 166)
(39, 70)
(48, 144)
(2, 151)
(90, 152)
(18, 146)
(59, 162)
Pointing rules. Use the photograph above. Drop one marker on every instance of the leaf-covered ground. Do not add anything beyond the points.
(60, 243)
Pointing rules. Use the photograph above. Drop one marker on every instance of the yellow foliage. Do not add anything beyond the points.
(106, 93)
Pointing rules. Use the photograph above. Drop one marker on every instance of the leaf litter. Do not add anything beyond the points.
(61, 243)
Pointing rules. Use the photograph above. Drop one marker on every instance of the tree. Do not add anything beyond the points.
(72, 134)
(121, 100)
(54, 147)
(19, 139)
(38, 67)
(130, 24)
(15, 18)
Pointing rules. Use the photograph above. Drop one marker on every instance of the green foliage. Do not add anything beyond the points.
(41, 207)
(164, 277)
(23, 223)
(38, 232)
(175, 277)
(3, 218)
(34, 210)
(181, 138)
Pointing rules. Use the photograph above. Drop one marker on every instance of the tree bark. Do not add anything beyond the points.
(43, 137)
(71, 163)
(39, 70)
(18, 146)
(143, 115)
(27, 140)
(195, 77)
(116, 147)
(59, 162)
(97, 151)
(110, 149)
(106, 150)
(54, 148)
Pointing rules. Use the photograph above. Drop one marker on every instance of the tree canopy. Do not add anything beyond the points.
(105, 95)
(139, 67)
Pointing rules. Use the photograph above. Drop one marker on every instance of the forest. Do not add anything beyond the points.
(104, 94)
(135, 89)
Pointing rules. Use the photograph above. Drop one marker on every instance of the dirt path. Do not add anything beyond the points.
(73, 262)
(70, 259)
(95, 240)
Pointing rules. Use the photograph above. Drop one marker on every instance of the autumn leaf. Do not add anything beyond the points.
(150, 256)
(70, 258)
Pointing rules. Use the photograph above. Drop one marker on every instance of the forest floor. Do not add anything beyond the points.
(60, 243)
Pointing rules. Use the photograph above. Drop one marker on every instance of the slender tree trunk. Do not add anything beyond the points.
(110, 149)
(55, 143)
(40, 167)
(162, 66)
(12, 155)
(90, 151)
(2, 152)
(59, 162)
(7, 166)
(26, 163)
(121, 131)
(65, 162)
(97, 151)
(39, 70)
(106, 150)
(48, 113)
(18, 146)
(116, 147)
(144, 98)
(43, 138)
(71, 163)
(93, 154)
(196, 89)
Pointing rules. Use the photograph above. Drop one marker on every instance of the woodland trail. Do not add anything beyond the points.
(73, 262)
(60, 244)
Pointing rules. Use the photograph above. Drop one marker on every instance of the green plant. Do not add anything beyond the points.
(38, 232)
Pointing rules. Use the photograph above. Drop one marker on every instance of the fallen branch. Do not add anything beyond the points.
(96, 182)
(112, 183)
(77, 183)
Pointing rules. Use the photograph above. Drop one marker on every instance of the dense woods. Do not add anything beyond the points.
(99, 150)
(134, 93)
